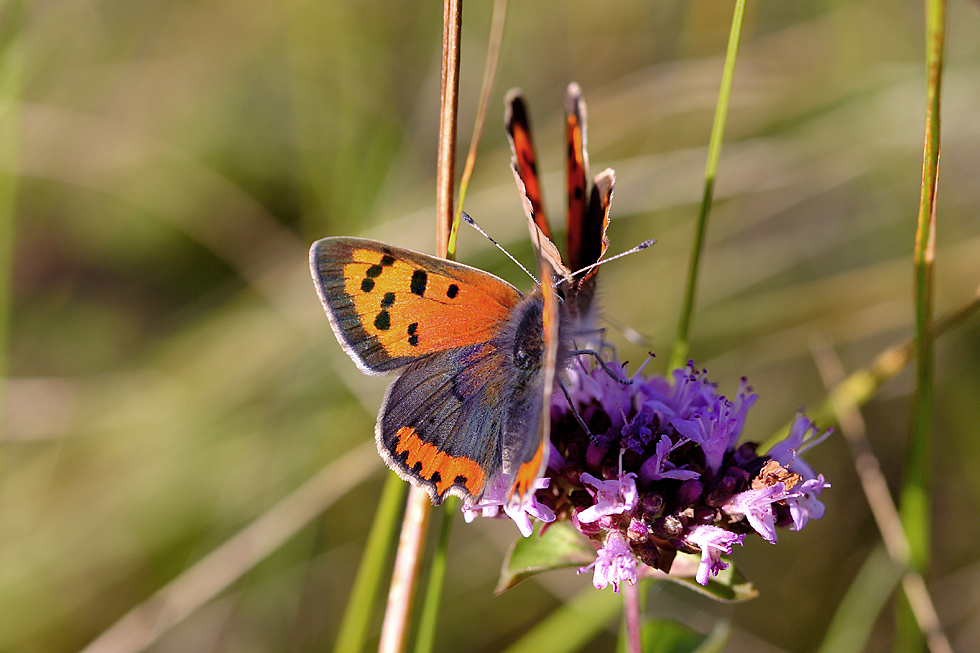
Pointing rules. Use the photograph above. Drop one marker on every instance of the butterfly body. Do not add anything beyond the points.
(471, 351)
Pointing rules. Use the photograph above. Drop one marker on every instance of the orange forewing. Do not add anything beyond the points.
(390, 305)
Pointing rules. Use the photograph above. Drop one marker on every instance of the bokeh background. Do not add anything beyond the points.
(172, 376)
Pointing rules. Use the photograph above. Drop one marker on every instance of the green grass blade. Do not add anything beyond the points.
(860, 386)
(859, 609)
(679, 352)
(364, 594)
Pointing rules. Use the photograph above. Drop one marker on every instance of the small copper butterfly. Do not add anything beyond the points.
(477, 358)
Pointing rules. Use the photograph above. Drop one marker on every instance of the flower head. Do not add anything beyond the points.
(662, 471)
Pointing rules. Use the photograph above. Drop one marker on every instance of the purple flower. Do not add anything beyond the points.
(744, 400)
(614, 563)
(804, 504)
(803, 436)
(611, 497)
(713, 541)
(520, 511)
(712, 430)
(657, 467)
(756, 506)
(636, 434)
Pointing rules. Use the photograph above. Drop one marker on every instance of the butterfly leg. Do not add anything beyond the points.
(602, 364)
(578, 416)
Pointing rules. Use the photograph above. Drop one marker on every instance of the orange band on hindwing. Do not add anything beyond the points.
(528, 473)
(434, 462)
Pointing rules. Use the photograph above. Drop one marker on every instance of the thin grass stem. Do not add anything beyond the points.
(486, 87)
(394, 629)
(449, 108)
(883, 508)
(681, 347)
(145, 623)
(915, 493)
(861, 385)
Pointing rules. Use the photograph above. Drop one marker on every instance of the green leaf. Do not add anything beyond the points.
(729, 586)
(558, 547)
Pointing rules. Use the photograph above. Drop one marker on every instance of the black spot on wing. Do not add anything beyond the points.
(382, 322)
(419, 280)
(367, 285)
(452, 291)
(388, 300)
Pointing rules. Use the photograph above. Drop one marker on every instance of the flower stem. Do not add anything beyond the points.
(631, 606)
(679, 352)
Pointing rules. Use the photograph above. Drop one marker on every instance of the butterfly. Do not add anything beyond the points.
(477, 359)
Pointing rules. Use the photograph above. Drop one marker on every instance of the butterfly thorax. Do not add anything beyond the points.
(523, 339)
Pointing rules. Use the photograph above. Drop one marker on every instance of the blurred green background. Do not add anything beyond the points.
(171, 373)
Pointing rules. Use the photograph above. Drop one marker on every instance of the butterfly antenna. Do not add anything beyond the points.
(640, 247)
(470, 221)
